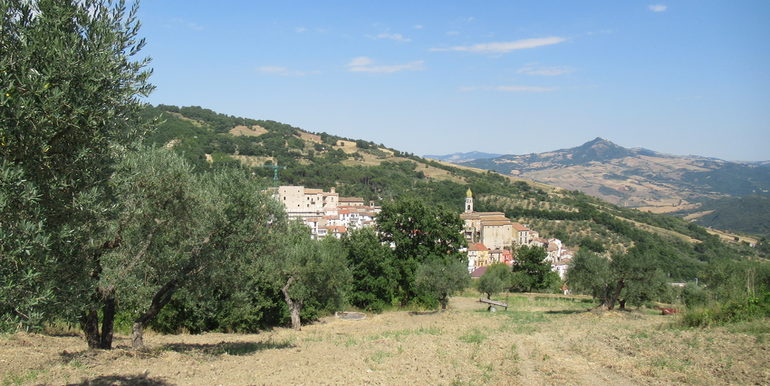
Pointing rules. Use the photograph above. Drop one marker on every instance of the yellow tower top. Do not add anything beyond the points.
(469, 194)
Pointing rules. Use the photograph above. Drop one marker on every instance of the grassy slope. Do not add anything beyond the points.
(374, 172)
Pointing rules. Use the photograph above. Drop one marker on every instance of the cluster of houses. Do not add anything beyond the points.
(491, 236)
(326, 213)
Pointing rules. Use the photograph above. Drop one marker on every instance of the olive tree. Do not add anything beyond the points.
(24, 292)
(309, 271)
(633, 278)
(441, 277)
(495, 279)
(178, 228)
(69, 106)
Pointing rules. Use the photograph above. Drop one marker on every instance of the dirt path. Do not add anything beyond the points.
(539, 340)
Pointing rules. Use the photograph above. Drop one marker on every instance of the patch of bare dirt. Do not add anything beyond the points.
(253, 131)
(252, 160)
(346, 146)
(308, 137)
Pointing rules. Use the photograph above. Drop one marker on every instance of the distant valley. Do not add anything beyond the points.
(464, 157)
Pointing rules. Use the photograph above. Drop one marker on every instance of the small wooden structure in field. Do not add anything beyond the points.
(493, 303)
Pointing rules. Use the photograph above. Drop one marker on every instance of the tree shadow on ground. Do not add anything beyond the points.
(140, 379)
(418, 313)
(565, 312)
(229, 348)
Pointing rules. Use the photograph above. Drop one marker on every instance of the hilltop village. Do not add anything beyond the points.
(492, 237)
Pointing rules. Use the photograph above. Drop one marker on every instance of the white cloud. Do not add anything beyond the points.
(658, 7)
(360, 62)
(599, 32)
(396, 37)
(300, 30)
(418, 26)
(504, 47)
(534, 69)
(283, 71)
(510, 88)
(364, 64)
(179, 22)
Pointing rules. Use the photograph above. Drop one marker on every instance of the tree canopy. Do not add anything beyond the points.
(632, 278)
(418, 232)
(373, 272)
(69, 106)
(531, 272)
(496, 279)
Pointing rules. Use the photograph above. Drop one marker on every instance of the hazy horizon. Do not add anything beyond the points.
(683, 78)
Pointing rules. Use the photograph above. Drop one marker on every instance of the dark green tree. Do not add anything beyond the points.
(418, 232)
(69, 105)
(531, 261)
(371, 265)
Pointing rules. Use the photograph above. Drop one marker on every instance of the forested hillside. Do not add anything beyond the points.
(744, 214)
(361, 168)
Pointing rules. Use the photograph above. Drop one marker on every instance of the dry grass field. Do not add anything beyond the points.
(540, 339)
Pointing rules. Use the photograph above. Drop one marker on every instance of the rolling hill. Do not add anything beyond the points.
(361, 168)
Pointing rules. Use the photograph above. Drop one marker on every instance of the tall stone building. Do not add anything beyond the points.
(492, 229)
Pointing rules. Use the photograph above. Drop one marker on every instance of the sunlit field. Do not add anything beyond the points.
(540, 339)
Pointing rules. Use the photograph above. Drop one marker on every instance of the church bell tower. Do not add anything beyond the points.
(468, 201)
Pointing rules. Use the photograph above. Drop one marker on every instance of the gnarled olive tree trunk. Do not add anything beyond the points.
(161, 298)
(295, 306)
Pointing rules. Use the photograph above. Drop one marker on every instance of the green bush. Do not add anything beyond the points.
(717, 314)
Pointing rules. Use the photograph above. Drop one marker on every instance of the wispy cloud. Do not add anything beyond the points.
(504, 47)
(599, 32)
(365, 64)
(396, 37)
(179, 22)
(658, 7)
(300, 30)
(283, 71)
(418, 26)
(534, 69)
(509, 88)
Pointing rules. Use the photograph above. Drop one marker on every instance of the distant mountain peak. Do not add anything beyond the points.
(598, 149)
(600, 142)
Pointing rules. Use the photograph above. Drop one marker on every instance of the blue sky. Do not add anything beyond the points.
(435, 77)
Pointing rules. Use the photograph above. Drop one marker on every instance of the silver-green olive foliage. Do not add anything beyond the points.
(69, 103)
(178, 228)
